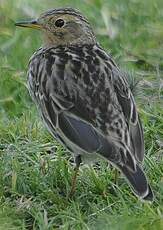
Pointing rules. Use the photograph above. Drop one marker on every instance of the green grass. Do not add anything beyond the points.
(35, 172)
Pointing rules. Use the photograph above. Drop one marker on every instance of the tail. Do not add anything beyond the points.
(135, 177)
(138, 182)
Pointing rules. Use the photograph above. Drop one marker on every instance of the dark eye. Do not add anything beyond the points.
(59, 23)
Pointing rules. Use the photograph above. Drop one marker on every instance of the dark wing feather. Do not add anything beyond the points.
(85, 136)
(137, 140)
(127, 103)
(79, 132)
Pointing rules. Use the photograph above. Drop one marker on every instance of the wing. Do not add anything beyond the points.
(76, 95)
(127, 103)
(87, 137)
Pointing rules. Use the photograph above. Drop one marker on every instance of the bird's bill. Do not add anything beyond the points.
(29, 24)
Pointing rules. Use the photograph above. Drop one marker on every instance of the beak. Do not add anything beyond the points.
(29, 24)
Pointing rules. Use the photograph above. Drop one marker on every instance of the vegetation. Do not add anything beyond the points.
(35, 171)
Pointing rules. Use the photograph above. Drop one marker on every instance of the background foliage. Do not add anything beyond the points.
(35, 173)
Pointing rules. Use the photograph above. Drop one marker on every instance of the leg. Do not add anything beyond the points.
(74, 179)
(116, 174)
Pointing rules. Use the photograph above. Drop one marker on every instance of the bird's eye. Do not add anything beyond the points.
(59, 23)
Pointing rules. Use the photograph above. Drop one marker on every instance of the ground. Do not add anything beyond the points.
(35, 171)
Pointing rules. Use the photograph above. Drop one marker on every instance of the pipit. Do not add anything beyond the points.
(84, 98)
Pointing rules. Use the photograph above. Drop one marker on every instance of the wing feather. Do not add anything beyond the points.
(127, 103)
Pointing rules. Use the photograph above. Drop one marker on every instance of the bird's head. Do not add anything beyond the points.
(63, 26)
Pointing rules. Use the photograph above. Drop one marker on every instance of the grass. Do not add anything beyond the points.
(35, 171)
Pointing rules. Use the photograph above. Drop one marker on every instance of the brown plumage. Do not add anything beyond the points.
(84, 98)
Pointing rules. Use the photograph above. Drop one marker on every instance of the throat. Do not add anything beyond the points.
(62, 40)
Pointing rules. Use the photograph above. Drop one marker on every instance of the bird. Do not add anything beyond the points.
(84, 97)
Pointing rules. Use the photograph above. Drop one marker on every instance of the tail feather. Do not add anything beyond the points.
(149, 196)
(134, 174)
(138, 182)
